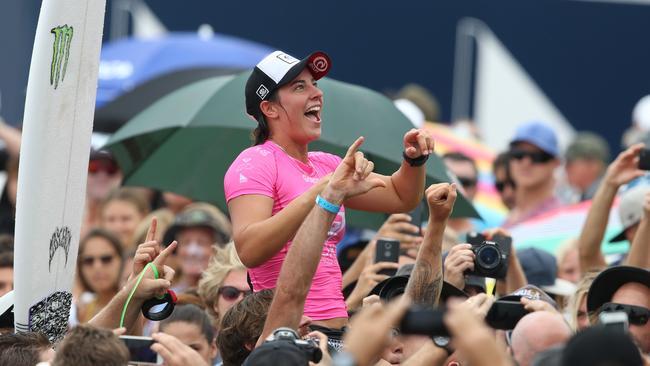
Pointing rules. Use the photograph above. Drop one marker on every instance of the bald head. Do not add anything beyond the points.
(537, 332)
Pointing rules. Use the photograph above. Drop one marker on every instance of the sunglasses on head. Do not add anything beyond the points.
(536, 157)
(467, 182)
(501, 185)
(108, 166)
(637, 315)
(231, 293)
(104, 259)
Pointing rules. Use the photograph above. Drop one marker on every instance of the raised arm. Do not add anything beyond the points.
(425, 283)
(639, 255)
(404, 189)
(619, 172)
(259, 236)
(351, 178)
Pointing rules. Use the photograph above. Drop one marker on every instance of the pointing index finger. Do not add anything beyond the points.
(354, 147)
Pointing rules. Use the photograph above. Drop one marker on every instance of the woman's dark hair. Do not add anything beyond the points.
(191, 314)
(113, 241)
(262, 132)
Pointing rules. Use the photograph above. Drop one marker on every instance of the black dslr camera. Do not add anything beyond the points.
(491, 257)
(308, 346)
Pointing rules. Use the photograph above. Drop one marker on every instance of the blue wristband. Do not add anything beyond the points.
(327, 205)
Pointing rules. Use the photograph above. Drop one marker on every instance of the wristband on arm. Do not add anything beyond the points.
(419, 161)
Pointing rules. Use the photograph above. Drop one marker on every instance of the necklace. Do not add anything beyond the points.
(299, 164)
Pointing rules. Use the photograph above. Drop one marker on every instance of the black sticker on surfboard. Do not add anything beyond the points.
(50, 316)
(60, 239)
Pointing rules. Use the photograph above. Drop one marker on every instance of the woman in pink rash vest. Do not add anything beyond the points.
(271, 187)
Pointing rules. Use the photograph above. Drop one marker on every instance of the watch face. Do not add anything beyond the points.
(441, 341)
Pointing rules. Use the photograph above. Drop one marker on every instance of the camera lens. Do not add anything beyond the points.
(488, 257)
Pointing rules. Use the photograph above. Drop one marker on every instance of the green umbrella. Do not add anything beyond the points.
(185, 142)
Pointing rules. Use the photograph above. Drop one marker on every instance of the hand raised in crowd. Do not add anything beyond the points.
(399, 227)
(625, 167)
(370, 330)
(537, 305)
(418, 142)
(368, 279)
(351, 177)
(322, 344)
(459, 260)
(441, 198)
(147, 251)
(174, 352)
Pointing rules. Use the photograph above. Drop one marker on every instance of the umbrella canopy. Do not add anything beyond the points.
(130, 62)
(186, 141)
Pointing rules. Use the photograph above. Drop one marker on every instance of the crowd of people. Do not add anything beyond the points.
(269, 283)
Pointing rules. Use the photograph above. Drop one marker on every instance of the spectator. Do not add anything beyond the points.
(534, 156)
(104, 176)
(601, 346)
(577, 303)
(535, 333)
(586, 159)
(122, 211)
(196, 229)
(241, 327)
(568, 261)
(540, 268)
(223, 283)
(99, 264)
(623, 285)
(187, 326)
(6, 272)
(503, 180)
(24, 349)
(86, 345)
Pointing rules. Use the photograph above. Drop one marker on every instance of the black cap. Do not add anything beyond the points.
(599, 345)
(277, 352)
(276, 70)
(610, 280)
(391, 287)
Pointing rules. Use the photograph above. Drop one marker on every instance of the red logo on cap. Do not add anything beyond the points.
(319, 64)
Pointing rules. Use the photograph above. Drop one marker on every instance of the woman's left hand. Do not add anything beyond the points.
(418, 142)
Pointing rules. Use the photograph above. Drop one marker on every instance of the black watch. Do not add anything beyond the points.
(419, 161)
(443, 342)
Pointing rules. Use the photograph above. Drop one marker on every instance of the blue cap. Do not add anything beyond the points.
(538, 265)
(538, 134)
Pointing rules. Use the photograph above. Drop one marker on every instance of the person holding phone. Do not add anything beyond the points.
(271, 187)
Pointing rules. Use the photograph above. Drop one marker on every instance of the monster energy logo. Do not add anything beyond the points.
(62, 39)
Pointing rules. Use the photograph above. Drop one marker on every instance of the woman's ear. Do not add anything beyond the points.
(269, 109)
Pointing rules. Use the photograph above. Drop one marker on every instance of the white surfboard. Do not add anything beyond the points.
(54, 161)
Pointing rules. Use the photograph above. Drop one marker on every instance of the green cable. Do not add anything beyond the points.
(137, 283)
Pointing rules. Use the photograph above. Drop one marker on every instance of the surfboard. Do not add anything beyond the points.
(54, 154)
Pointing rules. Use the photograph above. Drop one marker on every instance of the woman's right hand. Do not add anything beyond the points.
(625, 167)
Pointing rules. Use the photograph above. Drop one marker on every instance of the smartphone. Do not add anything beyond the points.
(140, 350)
(505, 314)
(423, 321)
(644, 159)
(615, 320)
(387, 251)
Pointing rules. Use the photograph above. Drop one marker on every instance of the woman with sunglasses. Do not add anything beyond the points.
(223, 284)
(104, 176)
(99, 265)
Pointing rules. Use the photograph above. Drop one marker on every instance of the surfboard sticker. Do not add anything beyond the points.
(49, 316)
(60, 239)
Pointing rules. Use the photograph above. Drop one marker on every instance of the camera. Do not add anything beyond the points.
(308, 346)
(424, 321)
(491, 256)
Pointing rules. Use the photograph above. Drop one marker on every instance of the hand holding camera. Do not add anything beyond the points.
(460, 260)
(491, 256)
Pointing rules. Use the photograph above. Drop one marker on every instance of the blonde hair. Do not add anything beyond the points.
(573, 301)
(223, 261)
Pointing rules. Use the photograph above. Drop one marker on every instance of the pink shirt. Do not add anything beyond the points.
(267, 170)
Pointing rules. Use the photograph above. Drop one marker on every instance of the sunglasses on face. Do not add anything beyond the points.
(104, 259)
(107, 166)
(537, 157)
(467, 182)
(231, 293)
(501, 185)
(637, 315)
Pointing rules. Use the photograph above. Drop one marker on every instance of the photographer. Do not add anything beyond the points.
(621, 171)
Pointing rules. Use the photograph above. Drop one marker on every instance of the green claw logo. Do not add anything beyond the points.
(61, 52)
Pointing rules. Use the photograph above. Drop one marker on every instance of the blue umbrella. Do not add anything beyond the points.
(128, 63)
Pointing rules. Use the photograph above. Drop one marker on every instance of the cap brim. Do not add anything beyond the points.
(389, 288)
(560, 287)
(610, 280)
(449, 290)
(620, 237)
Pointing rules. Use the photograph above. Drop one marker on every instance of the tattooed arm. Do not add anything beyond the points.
(425, 283)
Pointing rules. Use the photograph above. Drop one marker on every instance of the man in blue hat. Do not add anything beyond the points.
(534, 156)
